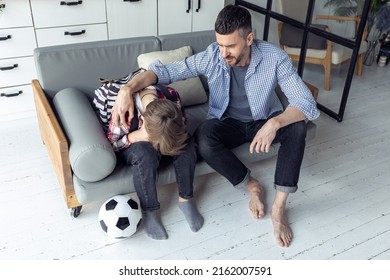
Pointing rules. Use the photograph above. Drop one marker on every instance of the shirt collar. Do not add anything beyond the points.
(256, 56)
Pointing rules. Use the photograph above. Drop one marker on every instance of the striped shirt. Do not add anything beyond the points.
(106, 94)
(268, 67)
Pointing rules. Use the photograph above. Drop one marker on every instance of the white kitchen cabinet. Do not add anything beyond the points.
(17, 42)
(18, 105)
(177, 16)
(63, 13)
(71, 34)
(205, 13)
(15, 13)
(16, 71)
(133, 18)
(68, 22)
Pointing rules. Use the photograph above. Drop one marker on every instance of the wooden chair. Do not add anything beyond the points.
(333, 54)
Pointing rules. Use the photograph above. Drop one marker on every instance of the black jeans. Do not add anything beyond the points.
(146, 160)
(215, 138)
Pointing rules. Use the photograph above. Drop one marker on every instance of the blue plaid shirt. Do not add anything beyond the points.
(269, 66)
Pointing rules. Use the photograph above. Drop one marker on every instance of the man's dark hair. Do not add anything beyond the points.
(232, 18)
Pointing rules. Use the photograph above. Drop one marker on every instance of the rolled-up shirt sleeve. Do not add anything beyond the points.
(172, 72)
(296, 91)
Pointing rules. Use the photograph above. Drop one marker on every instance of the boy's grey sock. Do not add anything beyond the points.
(153, 226)
(193, 217)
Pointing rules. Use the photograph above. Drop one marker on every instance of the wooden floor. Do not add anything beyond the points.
(340, 211)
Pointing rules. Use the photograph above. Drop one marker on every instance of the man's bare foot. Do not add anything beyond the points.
(256, 202)
(282, 230)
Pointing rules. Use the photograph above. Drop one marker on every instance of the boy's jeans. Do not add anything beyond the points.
(146, 160)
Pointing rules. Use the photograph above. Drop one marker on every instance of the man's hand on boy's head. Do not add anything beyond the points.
(123, 109)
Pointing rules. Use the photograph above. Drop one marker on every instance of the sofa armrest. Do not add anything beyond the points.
(91, 156)
(56, 144)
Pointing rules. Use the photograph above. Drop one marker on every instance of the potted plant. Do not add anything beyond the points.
(346, 8)
(381, 21)
(355, 8)
(378, 27)
(377, 22)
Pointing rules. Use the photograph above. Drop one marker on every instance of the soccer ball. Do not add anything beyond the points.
(120, 216)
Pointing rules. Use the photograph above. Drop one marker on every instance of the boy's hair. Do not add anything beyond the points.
(232, 18)
(165, 126)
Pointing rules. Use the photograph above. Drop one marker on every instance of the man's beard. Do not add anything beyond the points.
(236, 60)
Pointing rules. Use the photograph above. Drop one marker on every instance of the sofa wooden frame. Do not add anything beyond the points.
(57, 146)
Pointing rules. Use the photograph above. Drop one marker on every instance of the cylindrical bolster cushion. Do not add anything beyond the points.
(91, 155)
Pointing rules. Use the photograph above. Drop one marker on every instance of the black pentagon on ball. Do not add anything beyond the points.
(123, 223)
(103, 225)
(132, 204)
(111, 204)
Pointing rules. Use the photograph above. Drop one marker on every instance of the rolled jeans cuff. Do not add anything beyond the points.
(243, 184)
(286, 189)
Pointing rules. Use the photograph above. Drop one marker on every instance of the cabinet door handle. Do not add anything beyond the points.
(131, 0)
(197, 10)
(8, 67)
(64, 3)
(2, 6)
(5, 38)
(11, 94)
(189, 6)
(74, 33)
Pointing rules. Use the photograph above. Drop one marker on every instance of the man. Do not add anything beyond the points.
(242, 74)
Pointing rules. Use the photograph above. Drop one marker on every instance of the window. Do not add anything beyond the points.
(345, 38)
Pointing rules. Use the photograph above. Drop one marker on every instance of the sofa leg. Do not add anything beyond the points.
(75, 211)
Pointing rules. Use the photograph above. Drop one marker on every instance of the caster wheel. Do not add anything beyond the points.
(75, 211)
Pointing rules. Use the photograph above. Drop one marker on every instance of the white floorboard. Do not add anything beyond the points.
(340, 212)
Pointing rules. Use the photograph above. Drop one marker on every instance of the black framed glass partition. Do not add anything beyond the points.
(329, 66)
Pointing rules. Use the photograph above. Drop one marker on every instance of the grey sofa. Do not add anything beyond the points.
(84, 162)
